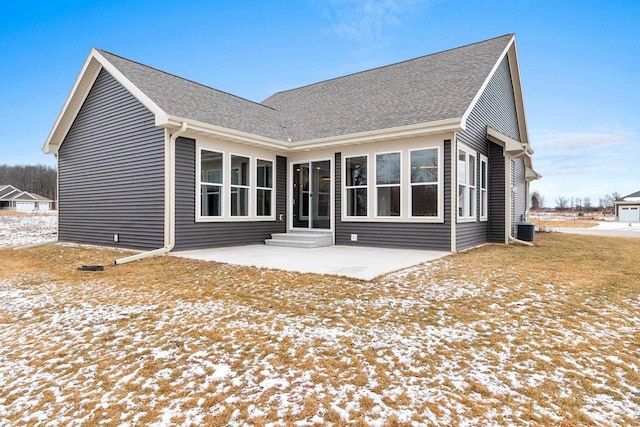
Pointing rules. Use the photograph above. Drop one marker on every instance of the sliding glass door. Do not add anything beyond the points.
(312, 195)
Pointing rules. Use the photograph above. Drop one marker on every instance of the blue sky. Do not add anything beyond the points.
(579, 64)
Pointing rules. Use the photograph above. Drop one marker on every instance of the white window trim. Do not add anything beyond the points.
(376, 186)
(226, 187)
(472, 216)
(484, 192)
(346, 188)
(272, 188)
(234, 186)
(438, 184)
(200, 183)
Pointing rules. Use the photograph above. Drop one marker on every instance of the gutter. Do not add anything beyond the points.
(170, 239)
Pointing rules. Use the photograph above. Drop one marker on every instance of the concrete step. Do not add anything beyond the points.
(300, 240)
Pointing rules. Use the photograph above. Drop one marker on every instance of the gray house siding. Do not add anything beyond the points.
(518, 195)
(497, 208)
(197, 235)
(398, 235)
(496, 108)
(111, 172)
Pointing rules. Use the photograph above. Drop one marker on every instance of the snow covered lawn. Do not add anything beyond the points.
(26, 228)
(495, 336)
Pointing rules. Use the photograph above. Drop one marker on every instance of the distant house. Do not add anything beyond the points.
(22, 201)
(428, 153)
(628, 208)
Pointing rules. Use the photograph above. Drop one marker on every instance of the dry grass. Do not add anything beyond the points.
(497, 335)
(564, 222)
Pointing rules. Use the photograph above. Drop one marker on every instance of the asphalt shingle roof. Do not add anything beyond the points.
(186, 99)
(429, 88)
(636, 194)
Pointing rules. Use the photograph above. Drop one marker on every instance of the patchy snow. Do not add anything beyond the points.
(27, 228)
(424, 351)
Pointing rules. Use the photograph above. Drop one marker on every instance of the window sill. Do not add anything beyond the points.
(235, 219)
(466, 220)
(432, 220)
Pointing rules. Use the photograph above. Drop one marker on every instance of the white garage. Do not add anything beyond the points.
(629, 213)
(628, 208)
(25, 206)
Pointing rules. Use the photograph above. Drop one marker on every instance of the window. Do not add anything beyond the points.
(264, 187)
(484, 198)
(388, 184)
(210, 183)
(356, 186)
(466, 184)
(239, 185)
(424, 182)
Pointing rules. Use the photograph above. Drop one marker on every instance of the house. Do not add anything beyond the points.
(628, 208)
(22, 201)
(428, 153)
(6, 193)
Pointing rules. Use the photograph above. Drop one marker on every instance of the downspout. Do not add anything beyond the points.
(511, 238)
(170, 238)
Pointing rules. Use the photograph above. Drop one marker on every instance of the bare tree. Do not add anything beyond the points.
(37, 179)
(537, 201)
(586, 202)
(562, 203)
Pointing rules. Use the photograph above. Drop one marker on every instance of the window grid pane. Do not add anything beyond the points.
(424, 166)
(388, 169)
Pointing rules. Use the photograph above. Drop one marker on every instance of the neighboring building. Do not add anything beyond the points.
(22, 201)
(428, 153)
(628, 208)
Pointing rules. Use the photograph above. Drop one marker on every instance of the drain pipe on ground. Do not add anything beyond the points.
(520, 242)
(172, 184)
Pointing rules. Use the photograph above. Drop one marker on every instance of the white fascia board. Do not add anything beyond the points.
(87, 77)
(514, 69)
(476, 98)
(517, 92)
(440, 126)
(71, 107)
(172, 122)
(133, 89)
(449, 125)
(510, 145)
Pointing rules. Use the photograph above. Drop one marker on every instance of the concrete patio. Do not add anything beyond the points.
(351, 261)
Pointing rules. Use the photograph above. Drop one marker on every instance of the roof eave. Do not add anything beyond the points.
(439, 126)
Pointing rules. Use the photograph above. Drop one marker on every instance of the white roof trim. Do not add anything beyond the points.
(24, 193)
(83, 84)
(510, 145)
(510, 51)
(466, 114)
(7, 196)
(440, 126)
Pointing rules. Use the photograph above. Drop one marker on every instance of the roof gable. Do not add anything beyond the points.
(185, 99)
(632, 195)
(434, 92)
(427, 89)
(7, 189)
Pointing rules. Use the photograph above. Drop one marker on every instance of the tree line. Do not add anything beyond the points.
(583, 204)
(38, 179)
